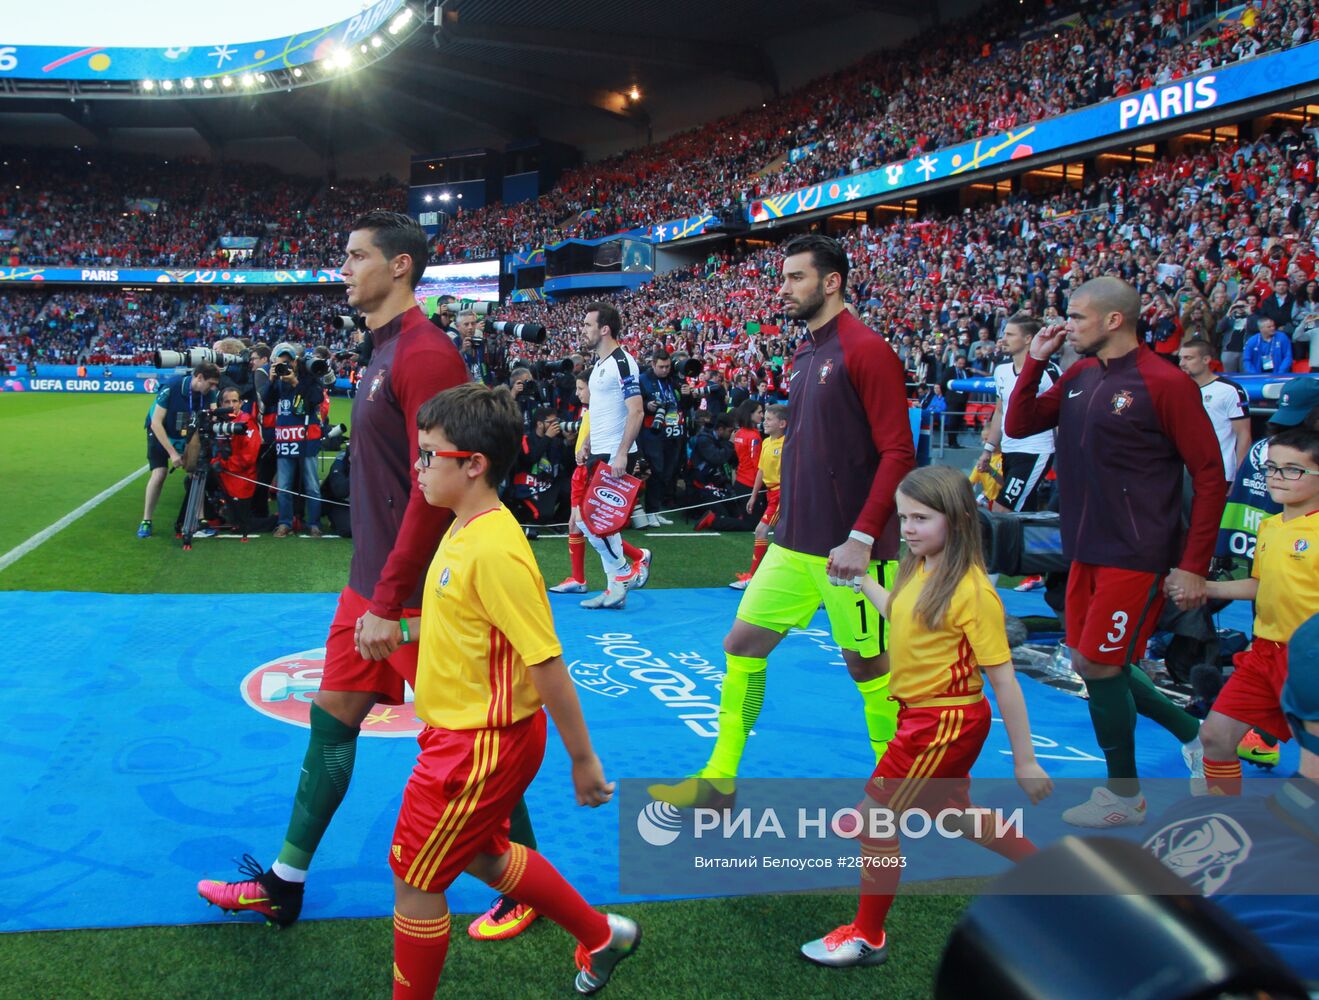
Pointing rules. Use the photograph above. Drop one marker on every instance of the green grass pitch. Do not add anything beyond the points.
(57, 452)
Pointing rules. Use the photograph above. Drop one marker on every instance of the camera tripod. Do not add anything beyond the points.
(196, 502)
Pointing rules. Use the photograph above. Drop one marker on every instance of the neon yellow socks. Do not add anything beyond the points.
(881, 713)
(739, 707)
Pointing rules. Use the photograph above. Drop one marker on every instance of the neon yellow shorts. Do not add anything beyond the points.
(789, 586)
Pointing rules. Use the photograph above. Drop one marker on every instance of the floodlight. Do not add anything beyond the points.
(189, 83)
(248, 79)
(228, 81)
(148, 84)
(377, 41)
(167, 85)
(297, 72)
(208, 83)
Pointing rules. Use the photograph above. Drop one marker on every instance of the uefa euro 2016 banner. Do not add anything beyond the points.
(173, 276)
(218, 59)
(1215, 88)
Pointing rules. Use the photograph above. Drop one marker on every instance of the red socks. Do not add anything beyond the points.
(530, 879)
(630, 552)
(419, 950)
(1223, 777)
(878, 884)
(758, 553)
(577, 553)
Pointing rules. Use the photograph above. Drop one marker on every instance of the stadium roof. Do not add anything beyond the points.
(496, 70)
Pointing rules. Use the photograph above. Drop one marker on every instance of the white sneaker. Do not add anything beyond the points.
(845, 947)
(569, 586)
(642, 569)
(640, 519)
(659, 520)
(613, 598)
(1104, 809)
(1194, 756)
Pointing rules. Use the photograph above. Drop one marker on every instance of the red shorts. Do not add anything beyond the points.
(1253, 694)
(931, 743)
(346, 671)
(1111, 613)
(459, 797)
(771, 515)
(577, 492)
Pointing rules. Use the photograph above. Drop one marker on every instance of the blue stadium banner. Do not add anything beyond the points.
(679, 229)
(101, 62)
(173, 276)
(91, 384)
(1215, 88)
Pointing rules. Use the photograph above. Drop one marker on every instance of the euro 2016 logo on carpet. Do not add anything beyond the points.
(283, 689)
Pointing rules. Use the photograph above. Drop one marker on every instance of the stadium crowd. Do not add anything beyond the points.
(990, 72)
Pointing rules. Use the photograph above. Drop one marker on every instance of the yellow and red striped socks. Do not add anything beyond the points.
(1223, 777)
(577, 553)
(530, 879)
(419, 950)
(758, 550)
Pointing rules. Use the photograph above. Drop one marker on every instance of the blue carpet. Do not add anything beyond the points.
(132, 765)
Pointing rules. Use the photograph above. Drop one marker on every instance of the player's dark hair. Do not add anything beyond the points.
(1024, 322)
(827, 254)
(606, 315)
(394, 233)
(1301, 437)
(948, 492)
(722, 420)
(477, 418)
(745, 412)
(1199, 344)
(661, 355)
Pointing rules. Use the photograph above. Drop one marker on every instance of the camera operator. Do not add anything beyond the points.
(713, 453)
(295, 396)
(236, 455)
(473, 346)
(167, 421)
(238, 373)
(443, 318)
(542, 472)
(527, 394)
(663, 395)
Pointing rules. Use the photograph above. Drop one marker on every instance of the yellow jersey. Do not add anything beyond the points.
(485, 618)
(583, 432)
(942, 666)
(771, 461)
(1287, 568)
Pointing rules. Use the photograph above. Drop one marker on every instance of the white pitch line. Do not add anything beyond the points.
(15, 554)
(683, 534)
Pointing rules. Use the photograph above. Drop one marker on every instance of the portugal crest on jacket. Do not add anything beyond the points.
(825, 369)
(1122, 401)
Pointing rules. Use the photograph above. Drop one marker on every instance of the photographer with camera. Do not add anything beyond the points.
(294, 396)
(473, 341)
(542, 472)
(178, 401)
(665, 396)
(237, 372)
(527, 394)
(237, 446)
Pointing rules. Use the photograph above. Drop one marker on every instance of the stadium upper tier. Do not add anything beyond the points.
(1010, 63)
(1193, 232)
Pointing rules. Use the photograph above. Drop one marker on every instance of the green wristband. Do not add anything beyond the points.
(403, 627)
